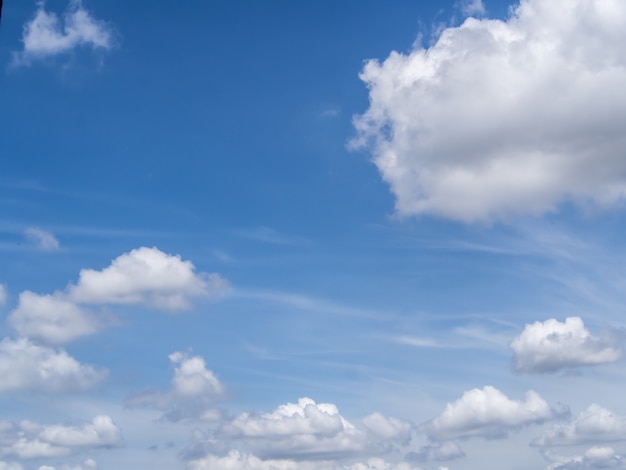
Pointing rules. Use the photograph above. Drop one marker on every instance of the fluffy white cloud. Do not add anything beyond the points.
(193, 392)
(146, 276)
(52, 319)
(303, 430)
(551, 346)
(26, 366)
(30, 440)
(504, 118)
(595, 457)
(487, 412)
(46, 35)
(3, 295)
(595, 425)
(236, 460)
(44, 240)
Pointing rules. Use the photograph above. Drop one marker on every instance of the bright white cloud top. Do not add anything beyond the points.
(47, 35)
(551, 346)
(144, 276)
(193, 392)
(504, 118)
(488, 413)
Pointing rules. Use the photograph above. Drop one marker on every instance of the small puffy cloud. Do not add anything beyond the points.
(46, 35)
(305, 430)
(551, 346)
(146, 276)
(52, 319)
(595, 425)
(194, 391)
(499, 119)
(3, 295)
(488, 413)
(30, 440)
(44, 240)
(27, 366)
(595, 457)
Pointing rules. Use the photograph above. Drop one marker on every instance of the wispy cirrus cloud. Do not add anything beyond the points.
(43, 239)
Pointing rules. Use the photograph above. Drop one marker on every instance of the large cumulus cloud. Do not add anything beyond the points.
(504, 118)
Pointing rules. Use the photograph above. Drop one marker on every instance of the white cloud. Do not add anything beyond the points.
(3, 295)
(146, 276)
(51, 318)
(192, 395)
(304, 430)
(487, 412)
(504, 118)
(595, 425)
(88, 464)
(236, 460)
(30, 440)
(44, 240)
(551, 346)
(472, 7)
(46, 35)
(595, 457)
(26, 366)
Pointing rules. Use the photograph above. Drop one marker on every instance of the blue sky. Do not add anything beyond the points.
(312, 235)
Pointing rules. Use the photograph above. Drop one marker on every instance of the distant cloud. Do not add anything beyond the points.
(440, 451)
(3, 295)
(239, 460)
(46, 35)
(193, 392)
(595, 425)
(44, 240)
(88, 464)
(488, 413)
(595, 457)
(144, 276)
(31, 440)
(551, 346)
(27, 366)
(500, 119)
(472, 7)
